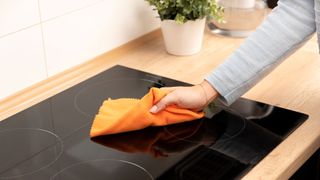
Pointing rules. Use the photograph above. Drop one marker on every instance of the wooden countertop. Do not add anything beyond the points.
(295, 85)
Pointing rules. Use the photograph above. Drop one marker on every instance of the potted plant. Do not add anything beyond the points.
(183, 23)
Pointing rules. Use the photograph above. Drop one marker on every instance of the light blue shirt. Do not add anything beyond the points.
(286, 29)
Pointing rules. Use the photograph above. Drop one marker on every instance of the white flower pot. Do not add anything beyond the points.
(183, 39)
(243, 4)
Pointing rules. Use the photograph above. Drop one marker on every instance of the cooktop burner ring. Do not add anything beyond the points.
(189, 135)
(123, 162)
(58, 141)
(227, 136)
(235, 124)
(83, 90)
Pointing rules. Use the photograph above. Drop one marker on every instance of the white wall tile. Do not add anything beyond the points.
(74, 31)
(21, 60)
(53, 8)
(17, 14)
(84, 34)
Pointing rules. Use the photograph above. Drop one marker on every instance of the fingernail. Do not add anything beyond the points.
(153, 109)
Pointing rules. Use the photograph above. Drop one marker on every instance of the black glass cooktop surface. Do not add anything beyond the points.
(50, 140)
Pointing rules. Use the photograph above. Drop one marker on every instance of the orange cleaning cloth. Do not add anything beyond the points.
(125, 114)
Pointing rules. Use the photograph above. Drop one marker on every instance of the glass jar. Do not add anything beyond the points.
(241, 17)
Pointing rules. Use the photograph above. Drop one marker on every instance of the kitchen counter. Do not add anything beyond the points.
(293, 85)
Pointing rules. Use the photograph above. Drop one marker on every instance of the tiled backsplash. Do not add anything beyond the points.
(40, 38)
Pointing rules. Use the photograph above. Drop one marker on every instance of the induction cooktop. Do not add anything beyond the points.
(50, 140)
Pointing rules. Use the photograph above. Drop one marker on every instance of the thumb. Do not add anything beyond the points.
(162, 104)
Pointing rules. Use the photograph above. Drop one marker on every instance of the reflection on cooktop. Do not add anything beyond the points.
(226, 141)
(50, 140)
(163, 141)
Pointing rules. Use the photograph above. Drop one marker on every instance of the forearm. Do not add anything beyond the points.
(285, 30)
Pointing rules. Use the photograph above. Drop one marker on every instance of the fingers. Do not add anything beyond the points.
(163, 103)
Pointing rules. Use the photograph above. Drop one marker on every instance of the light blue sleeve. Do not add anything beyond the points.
(286, 28)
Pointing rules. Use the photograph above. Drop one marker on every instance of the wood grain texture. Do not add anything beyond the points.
(295, 85)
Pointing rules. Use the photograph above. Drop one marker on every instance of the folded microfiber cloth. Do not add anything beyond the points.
(125, 114)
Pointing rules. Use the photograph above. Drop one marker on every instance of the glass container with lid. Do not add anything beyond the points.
(241, 17)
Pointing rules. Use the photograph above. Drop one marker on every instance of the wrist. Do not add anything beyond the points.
(209, 91)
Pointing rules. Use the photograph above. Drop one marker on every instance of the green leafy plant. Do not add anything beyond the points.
(183, 10)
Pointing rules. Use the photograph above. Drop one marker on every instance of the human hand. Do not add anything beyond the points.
(193, 97)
